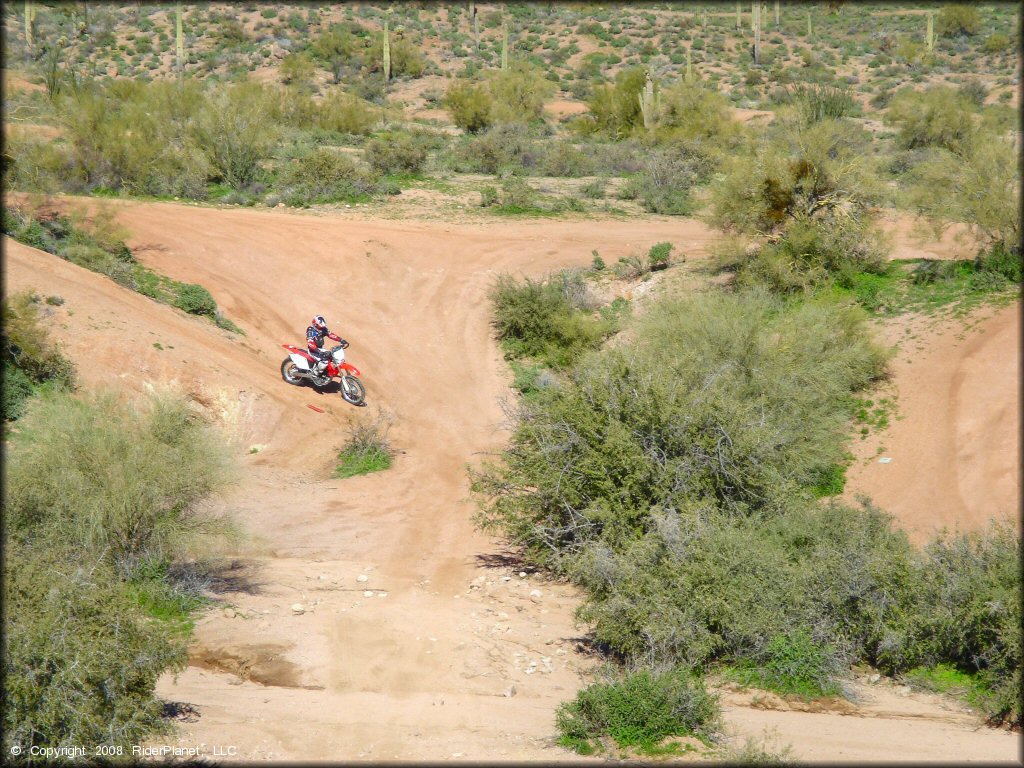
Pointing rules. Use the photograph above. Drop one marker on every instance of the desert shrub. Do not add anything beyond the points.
(37, 165)
(515, 194)
(563, 158)
(515, 95)
(237, 131)
(809, 253)
(195, 300)
(966, 611)
(940, 116)
(1003, 262)
(957, 20)
(974, 91)
(324, 176)
(658, 255)
(816, 102)
(118, 481)
(615, 107)
(977, 185)
(594, 190)
(518, 93)
(693, 112)
(469, 106)
(334, 47)
(80, 661)
(792, 664)
(488, 196)
(506, 146)
(297, 70)
(668, 175)
(30, 358)
(701, 380)
(407, 60)
(641, 709)
(537, 319)
(343, 113)
(813, 171)
(995, 43)
(367, 448)
(395, 153)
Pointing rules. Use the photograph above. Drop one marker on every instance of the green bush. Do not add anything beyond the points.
(938, 117)
(668, 175)
(469, 106)
(957, 20)
(966, 612)
(639, 710)
(793, 665)
(816, 102)
(195, 300)
(702, 378)
(537, 319)
(30, 358)
(518, 93)
(117, 481)
(811, 253)
(80, 660)
(978, 185)
(367, 448)
(995, 43)
(658, 255)
(395, 153)
(324, 176)
(616, 107)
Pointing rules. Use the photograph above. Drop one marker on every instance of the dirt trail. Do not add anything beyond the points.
(952, 456)
(443, 650)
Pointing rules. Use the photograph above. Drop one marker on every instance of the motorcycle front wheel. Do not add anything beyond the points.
(352, 390)
(289, 372)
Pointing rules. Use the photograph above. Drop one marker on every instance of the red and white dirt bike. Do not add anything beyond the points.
(299, 367)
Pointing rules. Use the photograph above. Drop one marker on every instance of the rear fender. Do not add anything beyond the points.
(350, 368)
(301, 361)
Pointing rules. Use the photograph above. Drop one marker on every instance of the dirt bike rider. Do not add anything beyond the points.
(315, 334)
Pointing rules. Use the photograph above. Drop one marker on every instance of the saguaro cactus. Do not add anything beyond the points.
(704, 20)
(179, 42)
(504, 46)
(28, 24)
(739, 17)
(476, 27)
(776, 14)
(810, 31)
(756, 22)
(689, 65)
(387, 50)
(930, 36)
(648, 103)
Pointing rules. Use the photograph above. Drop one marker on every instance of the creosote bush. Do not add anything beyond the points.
(100, 501)
(31, 359)
(641, 709)
(367, 448)
(538, 319)
(117, 481)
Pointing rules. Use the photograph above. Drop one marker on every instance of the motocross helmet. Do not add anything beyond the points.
(319, 323)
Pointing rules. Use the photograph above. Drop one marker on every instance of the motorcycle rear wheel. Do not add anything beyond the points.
(352, 390)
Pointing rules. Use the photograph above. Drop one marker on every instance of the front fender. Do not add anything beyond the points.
(350, 368)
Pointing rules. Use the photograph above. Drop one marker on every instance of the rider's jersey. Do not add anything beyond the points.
(315, 337)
